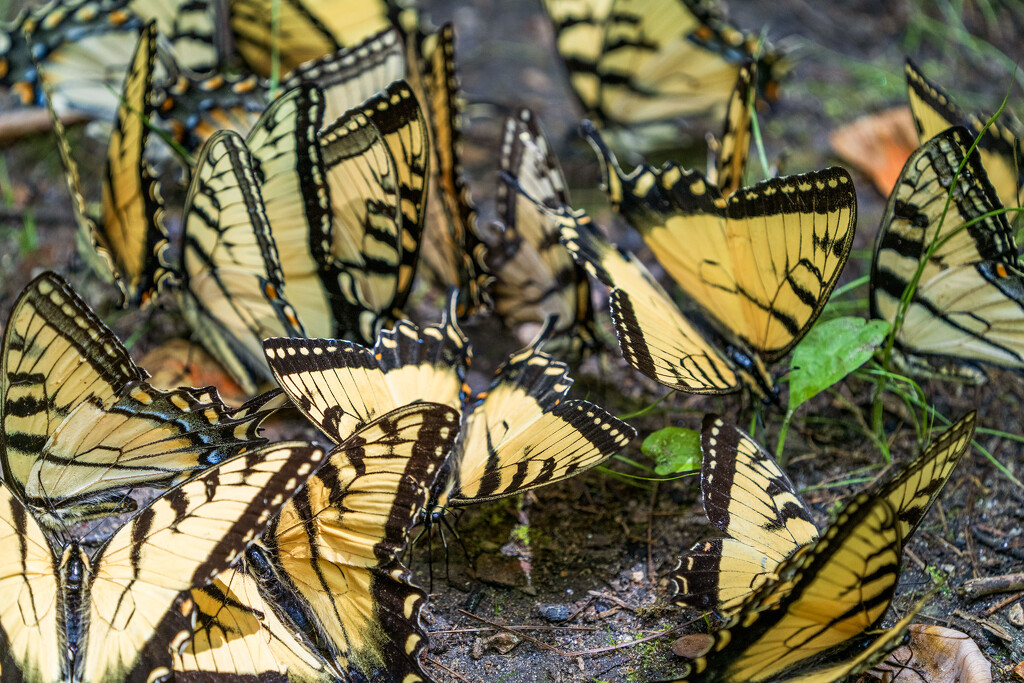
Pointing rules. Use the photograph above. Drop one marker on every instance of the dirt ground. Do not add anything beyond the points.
(578, 571)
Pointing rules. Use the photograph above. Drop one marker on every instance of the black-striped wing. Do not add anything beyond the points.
(81, 427)
(999, 145)
(351, 76)
(183, 540)
(113, 617)
(734, 147)
(762, 262)
(305, 29)
(125, 243)
(634, 62)
(523, 433)
(968, 301)
(132, 206)
(752, 500)
(654, 335)
(298, 204)
(327, 568)
(451, 249)
(534, 275)
(231, 286)
(814, 622)
(376, 160)
(748, 497)
(341, 386)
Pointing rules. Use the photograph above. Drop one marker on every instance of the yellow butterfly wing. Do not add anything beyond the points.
(76, 50)
(999, 145)
(126, 243)
(734, 147)
(750, 498)
(352, 75)
(231, 286)
(332, 553)
(305, 30)
(80, 425)
(523, 433)
(819, 610)
(341, 386)
(298, 205)
(451, 249)
(761, 262)
(966, 305)
(183, 539)
(30, 595)
(534, 275)
(376, 159)
(634, 62)
(654, 336)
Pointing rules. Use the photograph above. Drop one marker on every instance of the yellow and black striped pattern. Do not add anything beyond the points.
(70, 617)
(966, 306)
(306, 29)
(521, 434)
(734, 147)
(761, 263)
(654, 335)
(812, 622)
(376, 161)
(534, 275)
(229, 282)
(80, 424)
(748, 497)
(331, 557)
(634, 62)
(999, 145)
(127, 241)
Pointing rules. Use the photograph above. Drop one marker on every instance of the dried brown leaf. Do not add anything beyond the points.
(878, 145)
(938, 655)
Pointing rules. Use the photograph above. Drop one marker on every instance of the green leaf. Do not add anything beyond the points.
(830, 352)
(674, 449)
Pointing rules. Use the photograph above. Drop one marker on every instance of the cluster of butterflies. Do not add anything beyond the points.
(310, 207)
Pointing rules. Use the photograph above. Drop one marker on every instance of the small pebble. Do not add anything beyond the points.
(553, 612)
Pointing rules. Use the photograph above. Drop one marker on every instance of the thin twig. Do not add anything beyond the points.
(1009, 600)
(611, 598)
(631, 643)
(439, 665)
(500, 627)
(526, 627)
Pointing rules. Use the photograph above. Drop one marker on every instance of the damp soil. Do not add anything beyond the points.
(560, 584)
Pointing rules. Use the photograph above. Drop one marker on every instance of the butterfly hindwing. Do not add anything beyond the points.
(80, 424)
(999, 145)
(817, 614)
(112, 616)
(231, 285)
(334, 602)
(523, 433)
(749, 497)
(966, 305)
